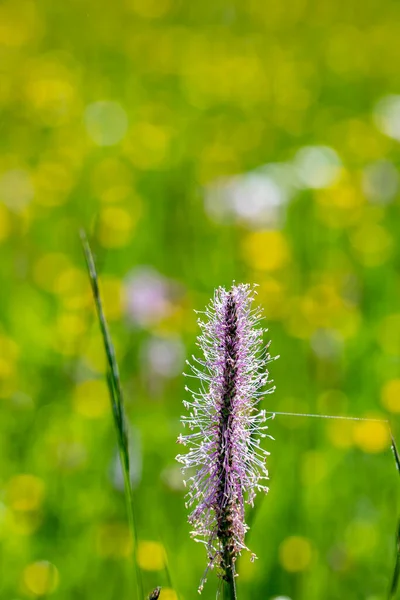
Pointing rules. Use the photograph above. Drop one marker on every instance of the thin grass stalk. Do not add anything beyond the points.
(117, 404)
(229, 586)
(396, 571)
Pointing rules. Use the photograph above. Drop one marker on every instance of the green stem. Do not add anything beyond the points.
(117, 403)
(229, 586)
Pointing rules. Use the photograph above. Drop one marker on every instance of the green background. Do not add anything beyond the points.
(198, 143)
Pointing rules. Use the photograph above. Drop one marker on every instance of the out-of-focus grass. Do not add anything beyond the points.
(198, 143)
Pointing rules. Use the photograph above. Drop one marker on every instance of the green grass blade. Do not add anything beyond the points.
(117, 404)
(396, 571)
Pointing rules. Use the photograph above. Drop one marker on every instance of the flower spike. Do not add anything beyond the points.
(225, 461)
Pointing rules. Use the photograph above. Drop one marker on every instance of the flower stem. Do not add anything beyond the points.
(229, 586)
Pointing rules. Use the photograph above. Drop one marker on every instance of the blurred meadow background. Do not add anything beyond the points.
(198, 143)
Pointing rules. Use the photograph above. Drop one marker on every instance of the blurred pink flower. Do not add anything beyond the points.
(148, 296)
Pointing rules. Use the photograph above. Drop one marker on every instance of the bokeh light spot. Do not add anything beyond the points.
(390, 395)
(168, 594)
(150, 556)
(25, 492)
(380, 181)
(295, 554)
(266, 250)
(116, 227)
(387, 116)
(317, 166)
(371, 437)
(106, 122)
(41, 578)
(16, 189)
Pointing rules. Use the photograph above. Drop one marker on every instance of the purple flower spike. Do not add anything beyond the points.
(225, 460)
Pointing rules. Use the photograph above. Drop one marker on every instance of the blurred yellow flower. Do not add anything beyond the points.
(116, 227)
(168, 594)
(40, 578)
(114, 540)
(25, 492)
(266, 250)
(295, 554)
(371, 437)
(151, 556)
(91, 399)
(390, 395)
(51, 89)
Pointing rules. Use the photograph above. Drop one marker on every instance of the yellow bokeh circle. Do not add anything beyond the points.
(295, 554)
(116, 227)
(151, 556)
(168, 594)
(390, 395)
(372, 437)
(266, 250)
(41, 578)
(25, 492)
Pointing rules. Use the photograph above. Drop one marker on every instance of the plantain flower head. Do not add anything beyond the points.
(225, 463)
